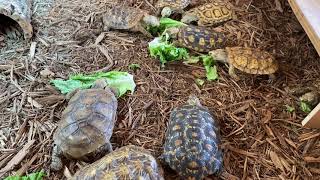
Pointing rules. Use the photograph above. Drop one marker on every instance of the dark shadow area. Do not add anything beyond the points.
(10, 28)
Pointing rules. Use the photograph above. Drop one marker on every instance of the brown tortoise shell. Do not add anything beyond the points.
(252, 61)
(200, 39)
(213, 13)
(123, 17)
(128, 162)
(192, 142)
(174, 4)
(87, 122)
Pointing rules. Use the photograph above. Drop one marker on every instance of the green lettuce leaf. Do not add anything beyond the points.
(208, 63)
(32, 176)
(134, 66)
(199, 82)
(289, 108)
(122, 81)
(164, 24)
(166, 52)
(305, 107)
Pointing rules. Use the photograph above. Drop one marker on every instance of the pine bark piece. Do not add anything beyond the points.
(19, 11)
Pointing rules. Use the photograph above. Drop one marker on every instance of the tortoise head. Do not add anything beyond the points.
(166, 12)
(102, 84)
(219, 55)
(173, 32)
(189, 17)
(194, 100)
(151, 20)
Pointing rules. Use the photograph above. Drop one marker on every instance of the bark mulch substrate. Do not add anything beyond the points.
(261, 140)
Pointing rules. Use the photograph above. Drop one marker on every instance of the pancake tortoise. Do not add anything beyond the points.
(199, 39)
(128, 162)
(249, 60)
(192, 142)
(86, 125)
(171, 6)
(210, 14)
(129, 18)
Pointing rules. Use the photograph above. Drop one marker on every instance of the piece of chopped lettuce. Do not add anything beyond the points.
(208, 63)
(134, 66)
(199, 82)
(164, 24)
(32, 176)
(305, 107)
(166, 52)
(289, 108)
(122, 81)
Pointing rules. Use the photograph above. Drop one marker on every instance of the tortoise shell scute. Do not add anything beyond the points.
(122, 17)
(192, 142)
(252, 61)
(175, 4)
(128, 162)
(213, 13)
(87, 123)
(200, 39)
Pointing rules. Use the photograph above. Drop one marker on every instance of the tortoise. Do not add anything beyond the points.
(192, 141)
(129, 18)
(128, 162)
(200, 39)
(249, 60)
(86, 124)
(170, 6)
(210, 14)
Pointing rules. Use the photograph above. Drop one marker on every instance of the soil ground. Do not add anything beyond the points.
(260, 138)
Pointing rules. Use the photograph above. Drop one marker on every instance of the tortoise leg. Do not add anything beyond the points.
(232, 72)
(72, 93)
(106, 148)
(141, 29)
(56, 161)
(109, 147)
(272, 77)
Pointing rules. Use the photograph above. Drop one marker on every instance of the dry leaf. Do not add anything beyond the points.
(267, 117)
(33, 49)
(46, 73)
(276, 160)
(50, 100)
(278, 6)
(17, 158)
(291, 143)
(269, 131)
(310, 159)
(34, 103)
(285, 164)
(100, 38)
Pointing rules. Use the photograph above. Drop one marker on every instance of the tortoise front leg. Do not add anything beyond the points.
(56, 161)
(272, 77)
(232, 72)
(106, 148)
(140, 28)
(72, 93)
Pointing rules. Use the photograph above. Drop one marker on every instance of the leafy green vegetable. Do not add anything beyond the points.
(289, 108)
(199, 82)
(164, 24)
(32, 176)
(134, 66)
(212, 73)
(305, 107)
(122, 81)
(166, 52)
(208, 62)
